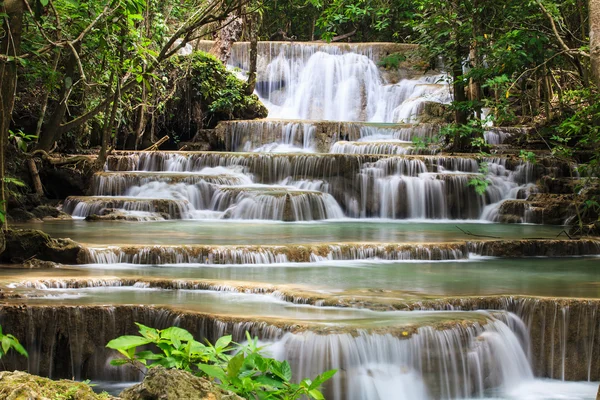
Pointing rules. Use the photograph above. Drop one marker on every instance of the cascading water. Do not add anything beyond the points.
(456, 363)
(348, 146)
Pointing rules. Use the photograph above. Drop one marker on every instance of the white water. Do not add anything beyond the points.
(453, 363)
(344, 87)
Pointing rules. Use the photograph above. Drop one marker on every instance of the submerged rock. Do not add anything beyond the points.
(164, 384)
(23, 386)
(23, 244)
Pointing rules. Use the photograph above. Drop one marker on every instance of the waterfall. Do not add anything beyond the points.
(344, 87)
(453, 363)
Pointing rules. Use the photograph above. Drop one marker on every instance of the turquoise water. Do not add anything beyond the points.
(265, 232)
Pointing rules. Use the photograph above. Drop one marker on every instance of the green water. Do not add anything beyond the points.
(246, 306)
(264, 232)
(568, 277)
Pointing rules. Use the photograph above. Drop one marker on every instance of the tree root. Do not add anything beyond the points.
(59, 161)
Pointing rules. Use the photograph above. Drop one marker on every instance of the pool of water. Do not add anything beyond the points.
(557, 277)
(247, 306)
(224, 232)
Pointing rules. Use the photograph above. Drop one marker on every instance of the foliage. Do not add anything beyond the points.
(527, 156)
(10, 342)
(470, 133)
(392, 61)
(21, 139)
(500, 105)
(247, 372)
(480, 183)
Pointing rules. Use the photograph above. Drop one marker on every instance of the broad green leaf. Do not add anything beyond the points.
(167, 362)
(149, 355)
(286, 370)
(147, 332)
(127, 342)
(223, 342)
(235, 364)
(119, 361)
(6, 344)
(175, 332)
(317, 395)
(214, 372)
(268, 381)
(319, 380)
(20, 349)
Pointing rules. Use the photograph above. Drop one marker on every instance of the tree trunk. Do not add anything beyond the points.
(51, 131)
(253, 29)
(228, 35)
(595, 40)
(10, 45)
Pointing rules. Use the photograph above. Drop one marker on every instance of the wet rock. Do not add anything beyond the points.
(24, 244)
(20, 215)
(60, 182)
(538, 248)
(23, 386)
(164, 384)
(539, 208)
(435, 113)
(34, 263)
(49, 212)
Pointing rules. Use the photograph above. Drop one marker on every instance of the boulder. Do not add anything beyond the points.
(46, 211)
(20, 215)
(23, 244)
(23, 386)
(172, 384)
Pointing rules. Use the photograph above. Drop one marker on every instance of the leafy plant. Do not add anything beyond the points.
(392, 61)
(21, 139)
(10, 342)
(480, 183)
(242, 369)
(527, 156)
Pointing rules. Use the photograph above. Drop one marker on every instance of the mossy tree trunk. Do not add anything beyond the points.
(10, 45)
(594, 7)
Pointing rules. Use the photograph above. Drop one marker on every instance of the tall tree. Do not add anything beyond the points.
(594, 8)
(11, 12)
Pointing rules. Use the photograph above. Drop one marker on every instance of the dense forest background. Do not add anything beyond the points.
(78, 74)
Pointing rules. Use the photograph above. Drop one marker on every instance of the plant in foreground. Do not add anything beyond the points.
(10, 342)
(240, 368)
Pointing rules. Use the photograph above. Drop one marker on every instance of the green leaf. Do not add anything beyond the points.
(119, 361)
(319, 380)
(223, 342)
(148, 355)
(127, 342)
(316, 394)
(44, 3)
(167, 362)
(6, 344)
(269, 381)
(213, 371)
(286, 370)
(235, 364)
(177, 333)
(148, 333)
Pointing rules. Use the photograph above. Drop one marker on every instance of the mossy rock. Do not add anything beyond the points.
(171, 384)
(209, 94)
(23, 386)
(23, 244)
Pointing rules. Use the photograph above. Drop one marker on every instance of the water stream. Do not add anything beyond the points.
(331, 233)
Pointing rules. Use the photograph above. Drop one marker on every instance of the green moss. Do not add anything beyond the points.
(23, 386)
(392, 61)
(220, 93)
